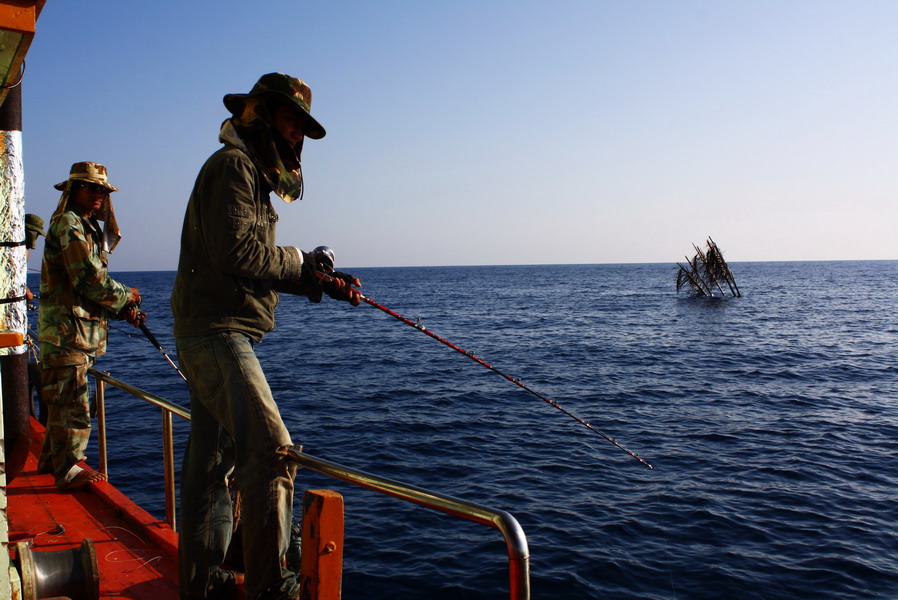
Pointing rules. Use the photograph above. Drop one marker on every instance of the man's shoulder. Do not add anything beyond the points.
(68, 217)
(228, 167)
(66, 221)
(228, 155)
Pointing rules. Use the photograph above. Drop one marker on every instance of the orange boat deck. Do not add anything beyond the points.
(136, 553)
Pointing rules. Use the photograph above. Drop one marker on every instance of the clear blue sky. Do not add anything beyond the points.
(493, 132)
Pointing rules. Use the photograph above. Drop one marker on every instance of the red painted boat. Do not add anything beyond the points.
(137, 554)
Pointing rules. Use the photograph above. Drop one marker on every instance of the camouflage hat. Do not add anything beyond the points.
(34, 227)
(90, 172)
(278, 85)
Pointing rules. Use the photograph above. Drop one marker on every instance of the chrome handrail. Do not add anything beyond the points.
(508, 526)
(139, 393)
(515, 540)
(168, 450)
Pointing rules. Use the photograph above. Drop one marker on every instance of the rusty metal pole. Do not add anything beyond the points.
(18, 21)
(14, 422)
(13, 309)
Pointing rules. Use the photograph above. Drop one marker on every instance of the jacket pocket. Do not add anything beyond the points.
(85, 334)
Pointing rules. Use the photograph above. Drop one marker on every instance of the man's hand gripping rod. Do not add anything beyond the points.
(326, 256)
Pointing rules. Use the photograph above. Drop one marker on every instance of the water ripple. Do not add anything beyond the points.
(772, 421)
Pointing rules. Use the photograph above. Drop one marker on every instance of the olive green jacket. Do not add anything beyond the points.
(230, 266)
(77, 293)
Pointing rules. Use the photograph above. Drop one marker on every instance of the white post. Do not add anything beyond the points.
(13, 268)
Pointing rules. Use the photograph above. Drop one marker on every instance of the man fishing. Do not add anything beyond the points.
(77, 297)
(223, 302)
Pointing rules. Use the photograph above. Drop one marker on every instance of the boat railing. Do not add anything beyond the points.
(508, 526)
(168, 444)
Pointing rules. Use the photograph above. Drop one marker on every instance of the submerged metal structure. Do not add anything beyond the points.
(706, 274)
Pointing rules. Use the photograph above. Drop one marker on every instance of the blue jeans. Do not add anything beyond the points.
(235, 428)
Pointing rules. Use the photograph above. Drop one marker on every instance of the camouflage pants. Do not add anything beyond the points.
(65, 389)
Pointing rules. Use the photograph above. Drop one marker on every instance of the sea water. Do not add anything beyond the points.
(771, 419)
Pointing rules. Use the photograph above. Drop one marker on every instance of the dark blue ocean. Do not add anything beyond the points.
(771, 419)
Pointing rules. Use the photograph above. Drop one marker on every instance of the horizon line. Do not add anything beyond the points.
(671, 263)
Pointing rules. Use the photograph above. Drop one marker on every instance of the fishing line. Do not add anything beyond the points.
(125, 332)
(515, 380)
(129, 551)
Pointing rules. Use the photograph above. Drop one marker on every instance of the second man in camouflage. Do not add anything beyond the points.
(77, 297)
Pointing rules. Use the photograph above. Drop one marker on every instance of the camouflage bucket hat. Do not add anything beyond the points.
(90, 172)
(278, 85)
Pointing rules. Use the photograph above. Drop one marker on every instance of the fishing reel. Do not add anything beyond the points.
(333, 282)
(325, 257)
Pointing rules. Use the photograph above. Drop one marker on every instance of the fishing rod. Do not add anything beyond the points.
(152, 338)
(326, 256)
(149, 335)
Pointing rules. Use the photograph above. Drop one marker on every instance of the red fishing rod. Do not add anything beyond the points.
(326, 256)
